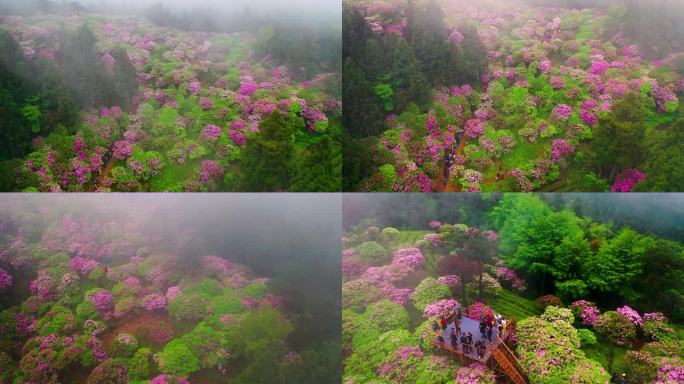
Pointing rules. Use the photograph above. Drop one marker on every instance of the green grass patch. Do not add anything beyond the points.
(513, 306)
(609, 356)
(409, 238)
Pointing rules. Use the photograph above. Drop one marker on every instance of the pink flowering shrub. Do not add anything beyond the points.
(474, 128)
(478, 309)
(475, 373)
(585, 310)
(626, 180)
(103, 300)
(209, 170)
(561, 112)
(5, 279)
(168, 379)
(195, 87)
(211, 132)
(410, 257)
(670, 371)
(83, 266)
(154, 302)
(510, 276)
(122, 150)
(544, 66)
(631, 314)
(450, 280)
(440, 308)
(434, 239)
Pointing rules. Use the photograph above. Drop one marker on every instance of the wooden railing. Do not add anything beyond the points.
(503, 355)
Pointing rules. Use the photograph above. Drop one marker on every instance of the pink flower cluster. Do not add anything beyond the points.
(409, 257)
(587, 311)
(83, 266)
(475, 373)
(168, 379)
(172, 292)
(194, 87)
(122, 150)
(434, 239)
(479, 309)
(556, 82)
(211, 132)
(544, 66)
(103, 300)
(206, 103)
(562, 112)
(670, 371)
(456, 37)
(587, 113)
(491, 235)
(217, 264)
(440, 308)
(435, 224)
(631, 314)
(474, 128)
(509, 275)
(210, 169)
(154, 302)
(627, 180)
(5, 279)
(450, 280)
(654, 316)
(560, 148)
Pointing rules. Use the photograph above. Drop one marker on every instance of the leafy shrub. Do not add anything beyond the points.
(372, 252)
(428, 291)
(640, 367)
(616, 328)
(124, 345)
(587, 337)
(552, 313)
(177, 359)
(546, 300)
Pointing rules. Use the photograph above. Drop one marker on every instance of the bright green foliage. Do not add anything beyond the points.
(561, 360)
(618, 264)
(587, 337)
(139, 364)
(177, 358)
(257, 332)
(366, 359)
(372, 252)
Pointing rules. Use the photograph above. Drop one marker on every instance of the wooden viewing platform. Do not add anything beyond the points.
(498, 356)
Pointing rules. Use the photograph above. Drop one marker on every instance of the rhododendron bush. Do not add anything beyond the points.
(536, 106)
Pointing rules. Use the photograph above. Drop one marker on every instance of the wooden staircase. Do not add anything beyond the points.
(504, 361)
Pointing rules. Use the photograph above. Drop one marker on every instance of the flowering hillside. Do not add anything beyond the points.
(511, 97)
(169, 110)
(581, 302)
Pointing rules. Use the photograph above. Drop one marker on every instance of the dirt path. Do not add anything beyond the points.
(134, 326)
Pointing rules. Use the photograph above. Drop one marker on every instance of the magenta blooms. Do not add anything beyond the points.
(435, 224)
(154, 302)
(122, 150)
(544, 66)
(562, 112)
(585, 310)
(434, 239)
(670, 371)
(509, 275)
(631, 314)
(474, 128)
(206, 103)
(478, 310)
(211, 132)
(168, 379)
(410, 257)
(210, 169)
(83, 266)
(557, 83)
(560, 148)
(5, 279)
(195, 87)
(450, 280)
(475, 373)
(172, 292)
(215, 263)
(627, 180)
(440, 308)
(103, 300)
(456, 37)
